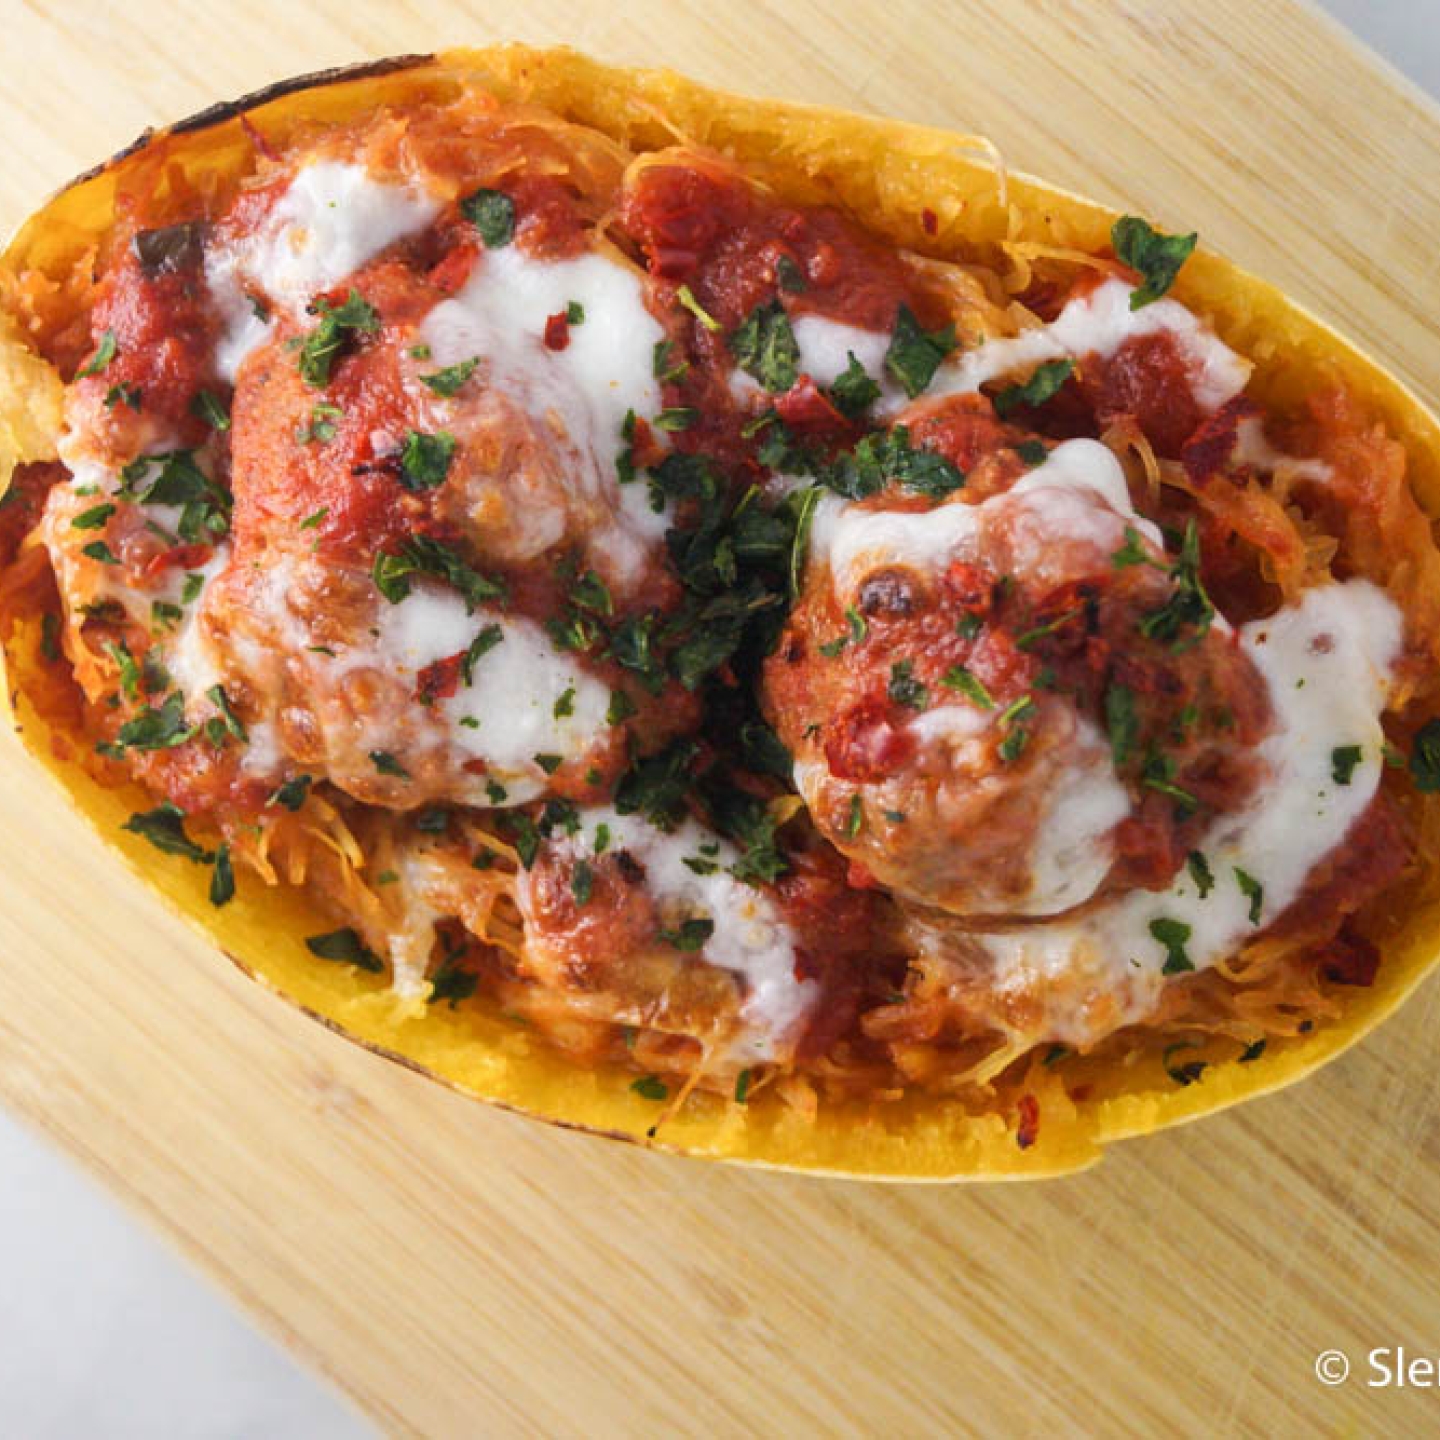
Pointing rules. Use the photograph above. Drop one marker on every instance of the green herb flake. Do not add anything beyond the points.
(789, 277)
(765, 347)
(958, 677)
(425, 460)
(1253, 891)
(1343, 760)
(345, 947)
(1253, 1051)
(217, 697)
(1172, 934)
(666, 368)
(915, 354)
(222, 878)
(582, 882)
(855, 817)
(678, 417)
(190, 591)
(565, 704)
(339, 325)
(387, 764)
(1157, 256)
(1189, 607)
(421, 555)
(1032, 452)
(904, 689)
(448, 382)
(291, 795)
(1132, 552)
(690, 935)
(686, 298)
(742, 1087)
(853, 392)
(99, 550)
(164, 828)
(488, 638)
(451, 983)
(1425, 758)
(650, 1087)
(207, 406)
(1200, 872)
(105, 352)
(492, 213)
(1044, 384)
(621, 708)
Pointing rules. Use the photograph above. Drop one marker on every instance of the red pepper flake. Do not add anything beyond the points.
(1210, 445)
(807, 412)
(1028, 1129)
(440, 680)
(557, 331)
(186, 557)
(928, 221)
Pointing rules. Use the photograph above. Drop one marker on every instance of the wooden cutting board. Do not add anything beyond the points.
(460, 1271)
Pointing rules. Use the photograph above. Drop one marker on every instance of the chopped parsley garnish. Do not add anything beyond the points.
(666, 367)
(621, 708)
(222, 880)
(1189, 606)
(1188, 1073)
(217, 697)
(208, 407)
(687, 300)
(1132, 552)
(591, 593)
(432, 820)
(690, 935)
(1253, 891)
(495, 792)
(164, 828)
(346, 948)
(105, 352)
(1343, 760)
(190, 591)
(94, 518)
(582, 882)
(854, 817)
(1032, 452)
(450, 982)
(1158, 774)
(1044, 384)
(161, 729)
(425, 460)
(123, 394)
(677, 417)
(1425, 758)
(805, 502)
(880, 459)
(447, 382)
(602, 838)
(549, 763)
(313, 519)
(1031, 637)
(421, 555)
(853, 392)
(1253, 1051)
(1121, 722)
(339, 324)
(387, 764)
(204, 503)
(958, 677)
(765, 347)
(650, 1087)
(291, 795)
(482, 644)
(492, 213)
(1200, 872)
(50, 635)
(789, 276)
(916, 354)
(742, 1087)
(655, 786)
(99, 550)
(904, 688)
(574, 313)
(1172, 934)
(1157, 256)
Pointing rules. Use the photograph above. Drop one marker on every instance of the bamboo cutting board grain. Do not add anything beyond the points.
(460, 1271)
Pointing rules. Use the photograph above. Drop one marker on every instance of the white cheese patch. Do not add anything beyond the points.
(516, 686)
(751, 938)
(1078, 494)
(1326, 663)
(1254, 450)
(332, 219)
(586, 389)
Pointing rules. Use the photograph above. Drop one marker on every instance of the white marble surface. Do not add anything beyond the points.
(105, 1333)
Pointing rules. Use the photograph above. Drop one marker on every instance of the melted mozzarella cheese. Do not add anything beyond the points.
(584, 391)
(1078, 494)
(751, 938)
(507, 715)
(1326, 663)
(1253, 449)
(332, 219)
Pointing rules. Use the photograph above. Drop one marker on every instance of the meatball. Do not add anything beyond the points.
(1005, 709)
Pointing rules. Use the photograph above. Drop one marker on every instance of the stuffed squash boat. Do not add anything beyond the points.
(717, 621)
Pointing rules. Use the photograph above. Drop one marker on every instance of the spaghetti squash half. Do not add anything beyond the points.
(723, 623)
